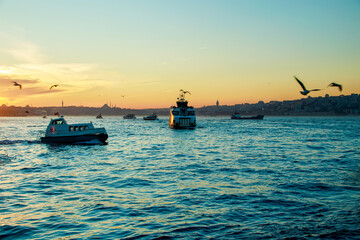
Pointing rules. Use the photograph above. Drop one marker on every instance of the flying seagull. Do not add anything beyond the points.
(17, 84)
(336, 85)
(305, 92)
(184, 92)
(56, 85)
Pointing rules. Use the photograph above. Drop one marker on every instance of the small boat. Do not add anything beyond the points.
(239, 117)
(99, 116)
(182, 116)
(130, 116)
(44, 116)
(151, 117)
(59, 131)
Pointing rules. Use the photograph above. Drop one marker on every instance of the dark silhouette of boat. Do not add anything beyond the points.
(99, 116)
(129, 116)
(151, 117)
(239, 117)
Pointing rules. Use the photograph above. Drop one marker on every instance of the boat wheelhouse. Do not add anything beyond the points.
(182, 116)
(59, 131)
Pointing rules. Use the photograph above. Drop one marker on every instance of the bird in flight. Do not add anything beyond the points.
(305, 92)
(17, 84)
(56, 85)
(184, 92)
(336, 85)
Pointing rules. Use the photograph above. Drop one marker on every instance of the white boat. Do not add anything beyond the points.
(59, 131)
(182, 116)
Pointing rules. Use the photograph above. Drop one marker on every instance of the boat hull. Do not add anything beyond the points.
(258, 117)
(150, 118)
(176, 126)
(75, 139)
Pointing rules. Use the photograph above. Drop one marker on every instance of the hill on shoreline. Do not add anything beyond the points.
(325, 106)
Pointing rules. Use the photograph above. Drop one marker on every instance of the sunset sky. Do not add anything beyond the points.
(138, 54)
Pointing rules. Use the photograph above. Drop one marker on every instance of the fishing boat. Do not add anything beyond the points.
(182, 116)
(99, 116)
(237, 116)
(129, 116)
(59, 131)
(151, 117)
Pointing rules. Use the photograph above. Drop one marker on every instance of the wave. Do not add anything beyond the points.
(4, 158)
(10, 142)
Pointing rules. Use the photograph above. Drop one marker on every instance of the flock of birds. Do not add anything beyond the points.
(20, 86)
(304, 92)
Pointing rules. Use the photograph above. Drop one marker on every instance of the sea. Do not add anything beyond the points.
(277, 178)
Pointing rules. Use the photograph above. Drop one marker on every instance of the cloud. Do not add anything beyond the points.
(6, 80)
(27, 52)
(37, 75)
(128, 84)
(22, 50)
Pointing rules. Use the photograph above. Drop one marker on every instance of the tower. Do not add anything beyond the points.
(217, 102)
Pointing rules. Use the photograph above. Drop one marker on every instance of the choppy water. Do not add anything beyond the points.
(277, 178)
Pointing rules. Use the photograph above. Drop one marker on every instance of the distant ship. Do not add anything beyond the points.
(99, 116)
(182, 116)
(129, 116)
(58, 131)
(151, 117)
(239, 117)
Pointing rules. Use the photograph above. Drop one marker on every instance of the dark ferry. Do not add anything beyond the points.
(129, 116)
(151, 117)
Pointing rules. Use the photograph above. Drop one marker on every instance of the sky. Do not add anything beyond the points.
(140, 53)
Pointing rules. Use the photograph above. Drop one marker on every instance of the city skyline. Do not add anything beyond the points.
(138, 54)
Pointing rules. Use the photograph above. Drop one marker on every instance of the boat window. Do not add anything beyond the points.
(81, 128)
(57, 122)
(86, 127)
(71, 129)
(75, 128)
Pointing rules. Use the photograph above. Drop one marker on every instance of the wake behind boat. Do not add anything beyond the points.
(239, 117)
(59, 131)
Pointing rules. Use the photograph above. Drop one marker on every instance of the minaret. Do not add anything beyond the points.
(62, 103)
(217, 102)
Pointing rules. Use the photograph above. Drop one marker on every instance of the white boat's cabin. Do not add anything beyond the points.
(59, 126)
